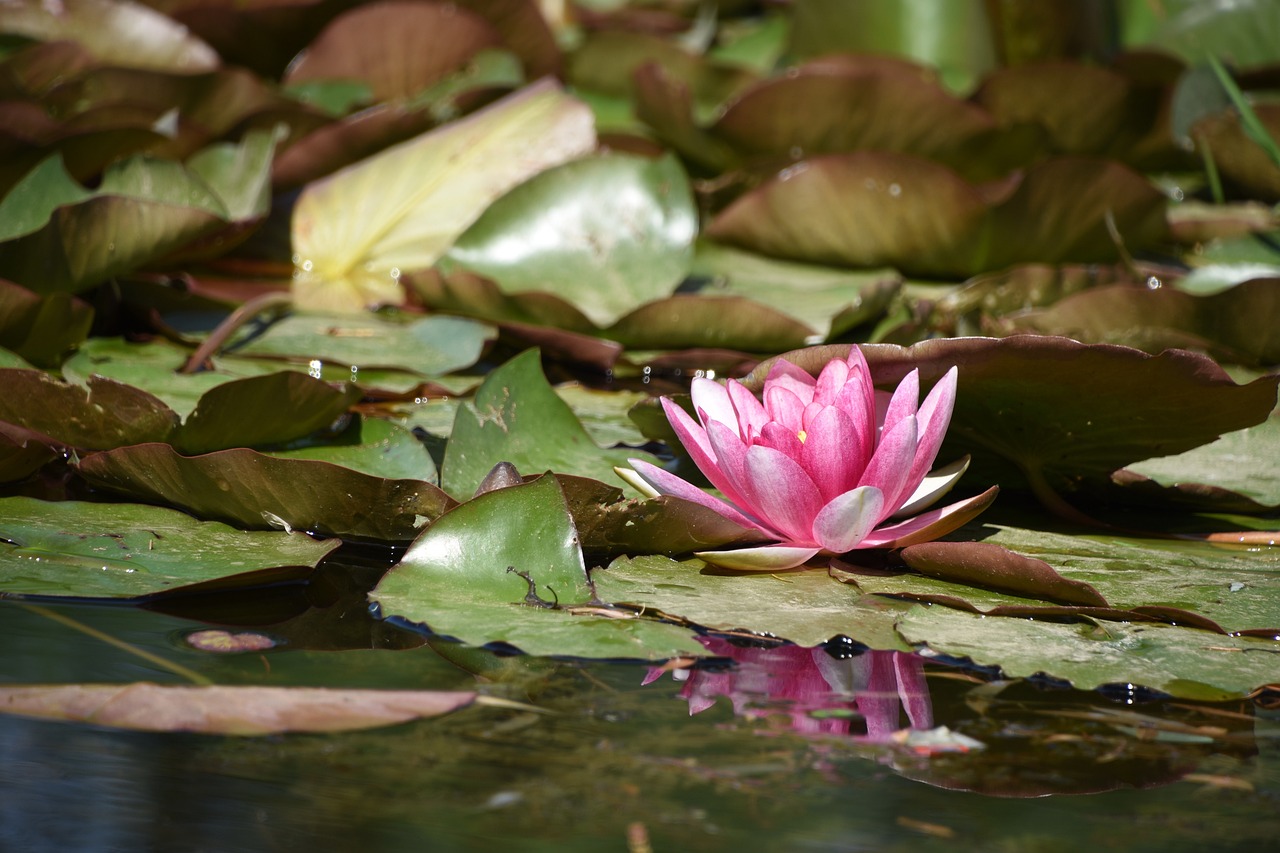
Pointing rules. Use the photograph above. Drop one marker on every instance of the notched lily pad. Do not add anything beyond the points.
(516, 417)
(254, 491)
(506, 566)
(94, 550)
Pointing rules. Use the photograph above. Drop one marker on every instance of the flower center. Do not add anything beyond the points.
(802, 435)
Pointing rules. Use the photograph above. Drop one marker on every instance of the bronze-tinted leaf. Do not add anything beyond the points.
(258, 492)
(985, 564)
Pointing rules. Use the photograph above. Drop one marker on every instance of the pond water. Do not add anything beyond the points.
(604, 761)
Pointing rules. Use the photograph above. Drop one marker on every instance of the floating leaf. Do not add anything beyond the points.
(494, 569)
(398, 48)
(356, 231)
(1186, 663)
(1239, 157)
(872, 209)
(987, 564)
(99, 414)
(606, 233)
(516, 417)
(225, 710)
(805, 607)
(1235, 325)
(96, 550)
(23, 452)
(42, 329)
(371, 446)
(256, 491)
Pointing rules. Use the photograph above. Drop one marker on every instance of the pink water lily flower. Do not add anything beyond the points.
(824, 465)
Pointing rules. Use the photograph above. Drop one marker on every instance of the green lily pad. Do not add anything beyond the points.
(427, 346)
(1243, 34)
(1183, 662)
(875, 209)
(1246, 462)
(606, 233)
(496, 567)
(258, 492)
(1051, 412)
(828, 300)
(1234, 586)
(806, 607)
(371, 446)
(95, 550)
(516, 417)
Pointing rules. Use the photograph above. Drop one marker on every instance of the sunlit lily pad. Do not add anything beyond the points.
(503, 567)
(259, 492)
(806, 607)
(606, 233)
(1045, 411)
(516, 417)
(371, 446)
(874, 209)
(356, 231)
(228, 710)
(96, 550)
(1186, 663)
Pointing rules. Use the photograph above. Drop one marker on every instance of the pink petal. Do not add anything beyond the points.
(830, 453)
(782, 493)
(930, 525)
(669, 484)
(751, 414)
(891, 464)
(934, 418)
(767, 558)
(847, 520)
(730, 475)
(852, 402)
(878, 703)
(784, 374)
(711, 402)
(783, 406)
(811, 411)
(780, 438)
(861, 388)
(700, 449)
(830, 381)
(904, 401)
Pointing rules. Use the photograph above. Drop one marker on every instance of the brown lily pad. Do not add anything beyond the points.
(258, 492)
(1240, 159)
(872, 209)
(989, 565)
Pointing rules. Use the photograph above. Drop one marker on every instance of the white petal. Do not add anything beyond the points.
(848, 519)
(767, 558)
(938, 482)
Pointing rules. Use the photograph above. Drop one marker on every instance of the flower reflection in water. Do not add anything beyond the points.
(821, 693)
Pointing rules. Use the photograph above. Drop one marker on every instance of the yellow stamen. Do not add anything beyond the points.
(801, 435)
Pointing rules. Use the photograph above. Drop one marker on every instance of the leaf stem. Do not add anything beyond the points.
(177, 669)
(219, 336)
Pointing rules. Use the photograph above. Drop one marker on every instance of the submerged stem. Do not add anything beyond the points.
(177, 669)
(219, 336)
